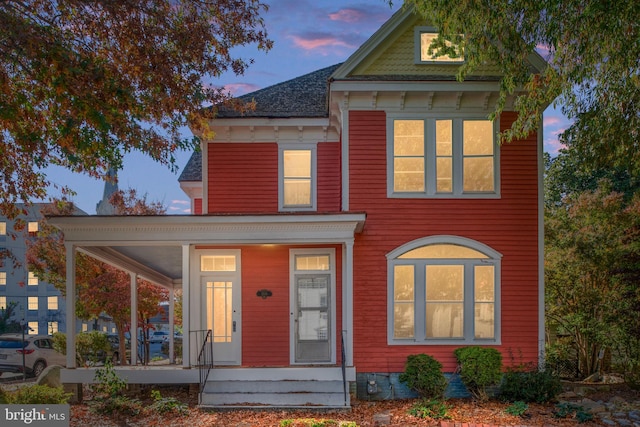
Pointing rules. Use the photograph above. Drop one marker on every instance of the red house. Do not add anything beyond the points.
(360, 214)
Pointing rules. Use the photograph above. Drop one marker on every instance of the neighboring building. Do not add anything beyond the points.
(39, 304)
(360, 214)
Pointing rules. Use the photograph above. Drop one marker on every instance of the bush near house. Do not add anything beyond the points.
(423, 374)
(91, 347)
(480, 368)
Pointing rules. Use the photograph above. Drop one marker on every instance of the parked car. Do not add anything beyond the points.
(114, 341)
(38, 354)
(158, 337)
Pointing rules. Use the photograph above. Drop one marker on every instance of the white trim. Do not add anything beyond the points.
(133, 330)
(313, 149)
(205, 178)
(187, 250)
(344, 112)
(541, 284)
(494, 259)
(71, 297)
(210, 229)
(347, 299)
(331, 252)
(197, 306)
(429, 191)
(417, 48)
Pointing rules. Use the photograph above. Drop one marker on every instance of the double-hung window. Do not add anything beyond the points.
(443, 290)
(297, 177)
(442, 157)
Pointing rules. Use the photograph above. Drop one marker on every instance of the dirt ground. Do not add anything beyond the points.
(363, 413)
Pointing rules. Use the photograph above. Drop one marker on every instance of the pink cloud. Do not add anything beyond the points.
(319, 42)
(551, 121)
(237, 89)
(347, 15)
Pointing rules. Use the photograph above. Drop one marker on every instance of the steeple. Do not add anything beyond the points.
(104, 207)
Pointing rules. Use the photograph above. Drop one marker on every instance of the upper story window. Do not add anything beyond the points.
(52, 303)
(449, 157)
(32, 227)
(32, 303)
(3, 278)
(297, 177)
(32, 279)
(3, 228)
(424, 36)
(3, 302)
(443, 290)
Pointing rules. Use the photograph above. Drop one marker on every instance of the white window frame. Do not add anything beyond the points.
(417, 35)
(313, 148)
(293, 253)
(430, 158)
(494, 258)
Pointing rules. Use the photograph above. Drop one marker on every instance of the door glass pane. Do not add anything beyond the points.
(220, 310)
(218, 263)
(313, 299)
(312, 262)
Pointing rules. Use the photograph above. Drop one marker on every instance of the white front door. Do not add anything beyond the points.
(221, 306)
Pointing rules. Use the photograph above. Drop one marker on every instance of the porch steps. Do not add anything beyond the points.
(288, 388)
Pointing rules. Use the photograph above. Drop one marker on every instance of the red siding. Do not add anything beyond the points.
(243, 178)
(329, 195)
(197, 206)
(508, 225)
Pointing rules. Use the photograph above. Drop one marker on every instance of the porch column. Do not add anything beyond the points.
(186, 308)
(347, 300)
(133, 330)
(172, 359)
(71, 305)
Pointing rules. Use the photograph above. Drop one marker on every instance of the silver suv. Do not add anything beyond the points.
(38, 353)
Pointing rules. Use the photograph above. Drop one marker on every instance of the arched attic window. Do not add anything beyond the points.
(443, 290)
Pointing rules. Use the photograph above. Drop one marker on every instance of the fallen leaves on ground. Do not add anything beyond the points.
(363, 413)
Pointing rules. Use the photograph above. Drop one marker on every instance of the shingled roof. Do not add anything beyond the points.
(304, 96)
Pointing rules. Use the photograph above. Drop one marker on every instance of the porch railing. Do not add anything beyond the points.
(343, 357)
(205, 356)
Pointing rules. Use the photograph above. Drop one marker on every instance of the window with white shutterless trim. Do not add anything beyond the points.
(442, 157)
(297, 183)
(444, 290)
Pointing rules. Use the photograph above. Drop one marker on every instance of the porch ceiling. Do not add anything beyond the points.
(152, 246)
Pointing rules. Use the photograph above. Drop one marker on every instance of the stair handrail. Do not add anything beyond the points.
(343, 366)
(205, 359)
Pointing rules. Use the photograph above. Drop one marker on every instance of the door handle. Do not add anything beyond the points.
(234, 326)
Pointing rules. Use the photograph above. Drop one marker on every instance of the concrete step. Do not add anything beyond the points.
(277, 388)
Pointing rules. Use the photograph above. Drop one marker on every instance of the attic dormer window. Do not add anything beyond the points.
(424, 36)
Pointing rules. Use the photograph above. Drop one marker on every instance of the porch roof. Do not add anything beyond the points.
(151, 246)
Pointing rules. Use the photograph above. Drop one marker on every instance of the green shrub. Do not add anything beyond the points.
(91, 347)
(423, 374)
(121, 405)
(529, 386)
(431, 408)
(166, 405)
(571, 410)
(4, 396)
(39, 394)
(108, 383)
(517, 408)
(480, 368)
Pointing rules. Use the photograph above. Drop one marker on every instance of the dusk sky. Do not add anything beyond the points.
(307, 35)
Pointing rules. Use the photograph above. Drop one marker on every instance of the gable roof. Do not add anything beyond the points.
(304, 96)
(389, 55)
